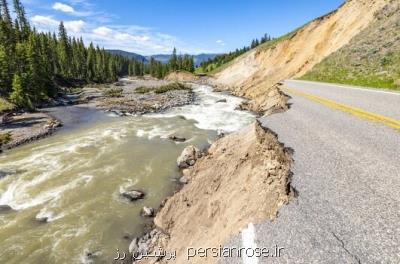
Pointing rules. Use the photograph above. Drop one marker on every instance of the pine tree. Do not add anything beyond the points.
(23, 25)
(4, 72)
(64, 51)
(5, 13)
(19, 96)
(91, 63)
(173, 61)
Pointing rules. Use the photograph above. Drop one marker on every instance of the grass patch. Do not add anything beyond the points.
(6, 106)
(113, 92)
(371, 59)
(5, 138)
(381, 71)
(162, 89)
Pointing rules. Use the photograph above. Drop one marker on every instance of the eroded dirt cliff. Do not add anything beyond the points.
(244, 177)
(255, 72)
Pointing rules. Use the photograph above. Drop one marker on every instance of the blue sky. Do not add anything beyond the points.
(156, 26)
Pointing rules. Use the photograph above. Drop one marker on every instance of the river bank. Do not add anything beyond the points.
(121, 98)
(109, 150)
(23, 127)
(74, 179)
(243, 178)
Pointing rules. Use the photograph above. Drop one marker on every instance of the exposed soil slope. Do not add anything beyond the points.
(244, 178)
(181, 76)
(372, 58)
(252, 74)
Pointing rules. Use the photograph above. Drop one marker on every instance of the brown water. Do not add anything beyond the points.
(74, 178)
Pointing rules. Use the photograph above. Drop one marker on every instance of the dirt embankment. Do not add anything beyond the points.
(181, 76)
(245, 177)
(254, 73)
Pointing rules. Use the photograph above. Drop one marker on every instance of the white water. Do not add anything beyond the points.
(210, 115)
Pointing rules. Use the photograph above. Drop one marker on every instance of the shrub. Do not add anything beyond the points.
(113, 92)
(5, 138)
(162, 89)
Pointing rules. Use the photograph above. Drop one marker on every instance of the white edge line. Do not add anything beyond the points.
(248, 241)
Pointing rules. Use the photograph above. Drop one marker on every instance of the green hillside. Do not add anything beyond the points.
(371, 59)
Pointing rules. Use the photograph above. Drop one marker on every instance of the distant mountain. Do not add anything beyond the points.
(163, 58)
(197, 58)
(203, 57)
(127, 54)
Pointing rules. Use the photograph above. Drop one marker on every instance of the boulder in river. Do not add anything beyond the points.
(5, 208)
(147, 211)
(132, 195)
(42, 219)
(221, 101)
(184, 180)
(133, 246)
(188, 157)
(146, 243)
(177, 139)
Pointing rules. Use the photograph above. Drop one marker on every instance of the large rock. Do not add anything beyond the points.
(177, 139)
(132, 195)
(5, 208)
(188, 157)
(147, 211)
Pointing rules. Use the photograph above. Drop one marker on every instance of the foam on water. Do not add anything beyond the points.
(18, 198)
(209, 114)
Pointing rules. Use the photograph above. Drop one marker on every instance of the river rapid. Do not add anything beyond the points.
(74, 178)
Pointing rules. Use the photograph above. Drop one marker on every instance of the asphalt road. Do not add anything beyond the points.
(346, 172)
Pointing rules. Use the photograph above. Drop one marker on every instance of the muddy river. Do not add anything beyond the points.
(73, 179)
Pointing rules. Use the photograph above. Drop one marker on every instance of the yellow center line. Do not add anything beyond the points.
(358, 112)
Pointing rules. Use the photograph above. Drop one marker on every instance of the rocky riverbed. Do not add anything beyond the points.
(123, 98)
(120, 98)
(23, 127)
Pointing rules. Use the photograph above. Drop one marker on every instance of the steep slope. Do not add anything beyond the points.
(372, 58)
(249, 167)
(181, 76)
(255, 72)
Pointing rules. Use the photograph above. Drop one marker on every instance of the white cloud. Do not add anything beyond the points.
(63, 7)
(97, 26)
(47, 23)
(102, 31)
(44, 21)
(220, 42)
(126, 37)
(75, 26)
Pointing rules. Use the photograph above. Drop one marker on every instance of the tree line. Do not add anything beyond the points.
(33, 64)
(160, 70)
(211, 64)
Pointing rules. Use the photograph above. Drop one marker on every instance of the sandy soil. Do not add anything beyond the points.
(245, 177)
(181, 76)
(254, 73)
